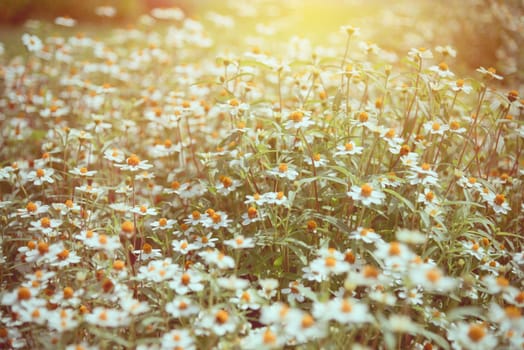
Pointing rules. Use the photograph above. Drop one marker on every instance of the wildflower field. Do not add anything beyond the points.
(166, 186)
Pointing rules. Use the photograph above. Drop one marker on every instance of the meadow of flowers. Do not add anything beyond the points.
(160, 191)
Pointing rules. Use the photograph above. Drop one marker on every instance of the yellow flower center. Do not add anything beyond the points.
(443, 66)
(296, 116)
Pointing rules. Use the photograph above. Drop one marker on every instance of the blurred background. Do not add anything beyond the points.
(484, 32)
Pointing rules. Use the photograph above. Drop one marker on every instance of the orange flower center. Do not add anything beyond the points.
(476, 333)
(221, 316)
(45, 222)
(269, 337)
(394, 249)
(246, 297)
(24, 293)
(43, 247)
(102, 239)
(363, 117)
(307, 321)
(330, 261)
(370, 271)
(296, 116)
(499, 199)
(365, 190)
(252, 212)
(31, 207)
(226, 181)
(119, 265)
(147, 248)
(443, 66)
(186, 278)
(346, 306)
(433, 275)
(68, 292)
(128, 227)
(133, 160)
(63, 255)
(349, 257)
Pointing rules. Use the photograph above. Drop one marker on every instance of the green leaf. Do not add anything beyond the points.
(402, 199)
(278, 261)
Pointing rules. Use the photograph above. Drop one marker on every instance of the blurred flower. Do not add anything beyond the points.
(366, 194)
(32, 42)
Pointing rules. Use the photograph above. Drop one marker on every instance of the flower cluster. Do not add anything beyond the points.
(157, 193)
